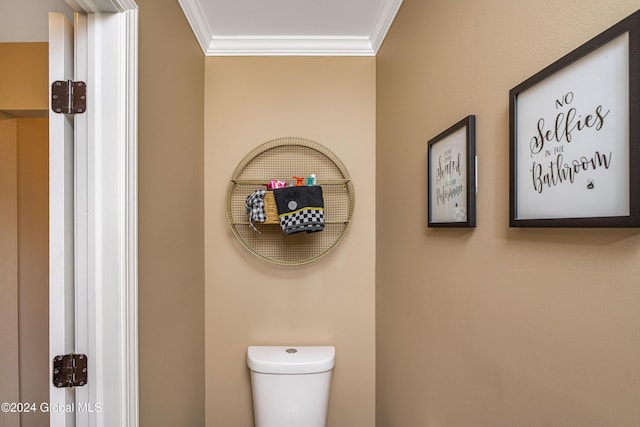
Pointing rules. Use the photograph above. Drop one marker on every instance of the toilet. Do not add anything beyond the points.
(290, 384)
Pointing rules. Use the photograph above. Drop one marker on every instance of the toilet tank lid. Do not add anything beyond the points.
(291, 359)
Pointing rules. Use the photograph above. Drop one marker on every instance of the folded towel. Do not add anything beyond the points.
(300, 208)
(254, 206)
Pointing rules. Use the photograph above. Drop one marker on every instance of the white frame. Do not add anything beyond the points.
(61, 221)
(106, 224)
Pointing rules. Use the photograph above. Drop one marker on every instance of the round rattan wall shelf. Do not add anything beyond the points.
(281, 159)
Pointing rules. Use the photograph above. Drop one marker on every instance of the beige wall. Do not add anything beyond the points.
(23, 77)
(25, 227)
(492, 326)
(9, 356)
(249, 302)
(171, 224)
(24, 254)
(33, 264)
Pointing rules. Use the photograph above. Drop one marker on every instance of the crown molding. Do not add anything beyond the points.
(213, 45)
(383, 23)
(98, 6)
(289, 46)
(195, 16)
(92, 6)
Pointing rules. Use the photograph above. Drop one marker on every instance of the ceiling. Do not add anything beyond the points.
(290, 27)
(28, 21)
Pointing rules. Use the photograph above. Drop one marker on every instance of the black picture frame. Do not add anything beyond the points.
(451, 163)
(574, 130)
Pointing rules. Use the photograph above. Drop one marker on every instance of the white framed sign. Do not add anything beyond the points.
(452, 184)
(574, 137)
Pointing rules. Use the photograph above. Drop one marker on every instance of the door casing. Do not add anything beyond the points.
(106, 267)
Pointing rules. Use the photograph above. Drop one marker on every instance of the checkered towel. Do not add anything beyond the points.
(255, 208)
(300, 208)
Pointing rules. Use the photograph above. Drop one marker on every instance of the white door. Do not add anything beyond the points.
(61, 221)
(69, 218)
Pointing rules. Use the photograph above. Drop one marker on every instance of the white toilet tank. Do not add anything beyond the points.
(290, 384)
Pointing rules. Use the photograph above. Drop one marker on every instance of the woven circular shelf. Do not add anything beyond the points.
(282, 159)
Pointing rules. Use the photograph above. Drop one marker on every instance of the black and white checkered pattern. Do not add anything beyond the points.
(255, 208)
(306, 219)
(460, 214)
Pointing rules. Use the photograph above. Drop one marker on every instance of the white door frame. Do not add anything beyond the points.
(62, 223)
(107, 270)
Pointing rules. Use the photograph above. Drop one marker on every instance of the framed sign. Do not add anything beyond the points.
(451, 160)
(575, 136)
